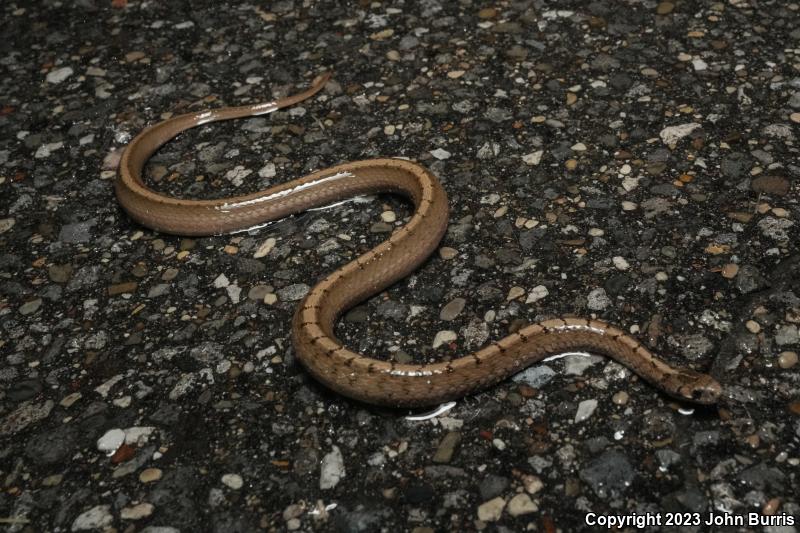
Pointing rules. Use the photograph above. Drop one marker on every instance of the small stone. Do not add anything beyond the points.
(620, 398)
(136, 512)
(536, 294)
(267, 171)
(52, 481)
(233, 481)
(440, 154)
(536, 376)
(795, 117)
(221, 281)
(293, 293)
(265, 248)
(620, 263)
(58, 75)
(730, 270)
(532, 484)
(447, 253)
(673, 134)
(585, 409)
(444, 337)
(597, 300)
(787, 335)
(28, 308)
(492, 510)
(452, 309)
(97, 517)
(533, 158)
(70, 399)
(446, 448)
(6, 224)
(752, 326)
(579, 147)
(332, 469)
(665, 8)
(149, 475)
(270, 298)
(388, 216)
(777, 185)
(514, 293)
(455, 74)
(111, 440)
(122, 288)
(787, 360)
(521, 504)
(258, 292)
(699, 64)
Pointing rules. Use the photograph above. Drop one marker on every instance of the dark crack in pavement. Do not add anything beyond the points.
(634, 161)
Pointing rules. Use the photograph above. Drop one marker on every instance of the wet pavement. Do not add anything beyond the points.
(633, 161)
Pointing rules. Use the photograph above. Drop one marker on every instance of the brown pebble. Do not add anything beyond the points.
(122, 288)
(620, 398)
(124, 453)
(795, 117)
(771, 507)
(487, 13)
(447, 253)
(752, 326)
(777, 185)
(665, 8)
(571, 164)
(730, 270)
(794, 407)
(787, 360)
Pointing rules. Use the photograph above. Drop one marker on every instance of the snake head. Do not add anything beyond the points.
(698, 388)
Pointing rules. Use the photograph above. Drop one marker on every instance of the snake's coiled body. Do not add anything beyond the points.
(353, 374)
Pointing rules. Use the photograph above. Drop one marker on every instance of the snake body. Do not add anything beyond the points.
(353, 374)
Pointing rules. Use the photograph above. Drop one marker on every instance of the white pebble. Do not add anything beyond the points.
(265, 248)
(536, 294)
(58, 75)
(444, 337)
(585, 410)
(533, 158)
(440, 154)
(620, 263)
(111, 441)
(233, 481)
(332, 469)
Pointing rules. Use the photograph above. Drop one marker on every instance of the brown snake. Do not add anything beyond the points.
(352, 374)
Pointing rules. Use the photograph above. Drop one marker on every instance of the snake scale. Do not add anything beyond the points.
(353, 374)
